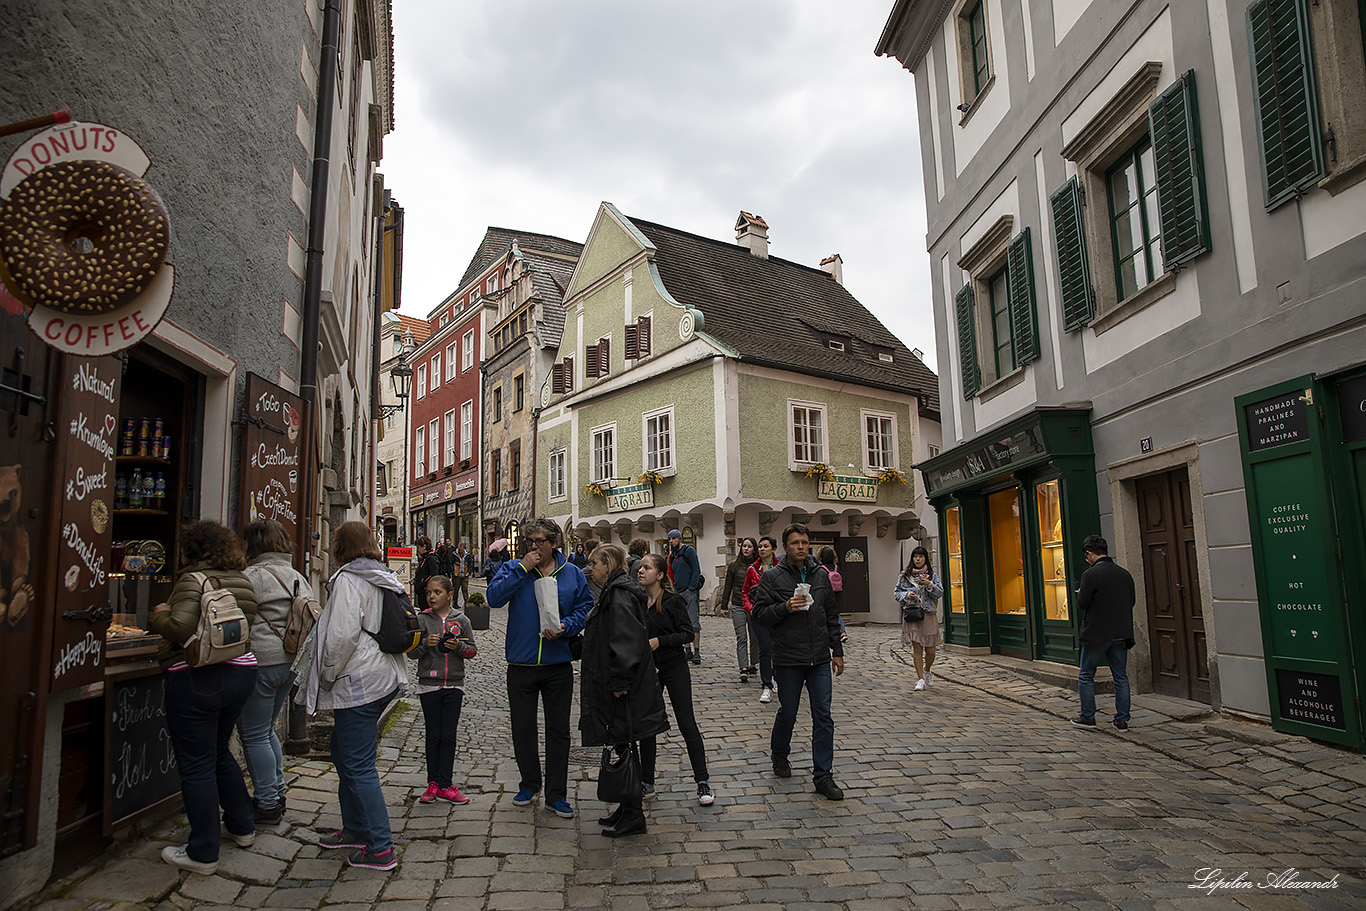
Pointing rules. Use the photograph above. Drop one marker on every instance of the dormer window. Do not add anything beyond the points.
(835, 344)
(884, 357)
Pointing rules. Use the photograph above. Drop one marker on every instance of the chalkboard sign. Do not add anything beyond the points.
(1312, 698)
(1277, 421)
(142, 767)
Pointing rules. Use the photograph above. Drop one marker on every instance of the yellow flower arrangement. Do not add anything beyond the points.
(595, 488)
(650, 477)
(820, 470)
(890, 475)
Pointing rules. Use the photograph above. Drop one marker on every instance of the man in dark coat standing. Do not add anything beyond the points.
(1106, 600)
(806, 648)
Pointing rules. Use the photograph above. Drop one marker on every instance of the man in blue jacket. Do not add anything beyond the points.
(539, 667)
(686, 574)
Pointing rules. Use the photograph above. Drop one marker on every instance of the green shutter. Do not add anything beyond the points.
(1174, 123)
(1286, 101)
(1024, 321)
(1074, 269)
(967, 341)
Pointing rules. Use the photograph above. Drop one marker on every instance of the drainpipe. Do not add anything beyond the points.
(312, 306)
(375, 420)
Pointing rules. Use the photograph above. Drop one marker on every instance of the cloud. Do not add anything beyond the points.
(528, 113)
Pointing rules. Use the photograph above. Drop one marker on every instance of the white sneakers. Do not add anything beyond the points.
(920, 684)
(766, 695)
(928, 678)
(175, 856)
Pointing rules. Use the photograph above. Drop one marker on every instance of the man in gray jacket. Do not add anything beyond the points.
(806, 646)
(1106, 601)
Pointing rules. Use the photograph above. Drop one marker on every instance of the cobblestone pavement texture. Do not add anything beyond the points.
(975, 793)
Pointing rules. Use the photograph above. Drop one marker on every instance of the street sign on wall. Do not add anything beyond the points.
(1294, 548)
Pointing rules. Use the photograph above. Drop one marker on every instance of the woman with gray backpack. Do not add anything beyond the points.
(283, 600)
(209, 674)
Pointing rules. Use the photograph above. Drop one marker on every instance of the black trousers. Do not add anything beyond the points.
(441, 711)
(553, 686)
(677, 682)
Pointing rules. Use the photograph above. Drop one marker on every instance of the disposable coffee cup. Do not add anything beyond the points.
(803, 591)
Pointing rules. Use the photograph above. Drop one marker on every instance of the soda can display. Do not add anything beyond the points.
(128, 436)
(144, 437)
(157, 433)
(166, 446)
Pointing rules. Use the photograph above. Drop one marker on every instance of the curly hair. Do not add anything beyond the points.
(639, 547)
(207, 541)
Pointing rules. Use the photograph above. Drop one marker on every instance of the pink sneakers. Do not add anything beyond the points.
(431, 793)
(452, 794)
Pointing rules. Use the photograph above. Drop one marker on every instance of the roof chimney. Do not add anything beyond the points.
(834, 264)
(751, 231)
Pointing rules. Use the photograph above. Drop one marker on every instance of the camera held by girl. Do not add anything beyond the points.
(447, 642)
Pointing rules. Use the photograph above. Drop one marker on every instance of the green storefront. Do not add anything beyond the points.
(1303, 446)
(1014, 505)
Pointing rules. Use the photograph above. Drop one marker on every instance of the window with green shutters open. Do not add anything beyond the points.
(996, 311)
(1135, 213)
(1308, 68)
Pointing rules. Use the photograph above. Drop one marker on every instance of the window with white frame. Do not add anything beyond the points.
(420, 455)
(450, 361)
(421, 382)
(467, 429)
(436, 371)
(450, 437)
(879, 441)
(604, 452)
(658, 435)
(806, 432)
(555, 475)
(467, 351)
(434, 441)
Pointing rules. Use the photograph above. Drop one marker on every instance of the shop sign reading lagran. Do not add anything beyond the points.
(88, 432)
(847, 488)
(630, 496)
(272, 444)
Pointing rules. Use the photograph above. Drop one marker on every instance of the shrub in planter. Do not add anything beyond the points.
(477, 609)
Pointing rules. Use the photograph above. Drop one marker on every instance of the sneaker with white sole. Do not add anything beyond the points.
(929, 678)
(385, 860)
(524, 797)
(429, 795)
(242, 841)
(920, 684)
(175, 856)
(766, 695)
(339, 839)
(561, 808)
(705, 796)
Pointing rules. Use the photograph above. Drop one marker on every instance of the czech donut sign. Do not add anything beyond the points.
(83, 239)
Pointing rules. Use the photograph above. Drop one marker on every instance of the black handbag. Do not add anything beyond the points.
(912, 613)
(619, 776)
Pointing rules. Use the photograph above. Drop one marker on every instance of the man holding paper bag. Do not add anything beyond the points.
(794, 600)
(548, 601)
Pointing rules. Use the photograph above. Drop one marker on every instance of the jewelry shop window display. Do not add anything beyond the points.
(1052, 560)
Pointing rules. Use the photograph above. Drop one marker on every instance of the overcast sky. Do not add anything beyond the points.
(527, 114)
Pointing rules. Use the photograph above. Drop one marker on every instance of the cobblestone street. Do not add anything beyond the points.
(976, 793)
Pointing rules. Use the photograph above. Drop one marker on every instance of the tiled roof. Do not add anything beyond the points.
(497, 241)
(549, 284)
(783, 314)
(420, 328)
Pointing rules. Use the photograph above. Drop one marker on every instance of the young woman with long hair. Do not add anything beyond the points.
(767, 559)
(746, 646)
(918, 584)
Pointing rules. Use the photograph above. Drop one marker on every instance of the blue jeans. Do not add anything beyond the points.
(355, 738)
(817, 680)
(1117, 656)
(202, 705)
(256, 727)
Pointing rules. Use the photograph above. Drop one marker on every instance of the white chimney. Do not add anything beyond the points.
(751, 231)
(834, 264)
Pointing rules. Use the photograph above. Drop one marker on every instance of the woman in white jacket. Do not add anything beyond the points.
(352, 677)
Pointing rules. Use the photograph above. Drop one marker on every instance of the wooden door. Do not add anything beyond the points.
(1176, 625)
(852, 559)
(28, 457)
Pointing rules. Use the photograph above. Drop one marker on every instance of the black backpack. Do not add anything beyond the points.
(400, 631)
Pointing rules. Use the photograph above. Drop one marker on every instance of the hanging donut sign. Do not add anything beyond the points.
(83, 239)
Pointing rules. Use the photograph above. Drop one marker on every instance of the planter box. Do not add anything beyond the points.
(478, 614)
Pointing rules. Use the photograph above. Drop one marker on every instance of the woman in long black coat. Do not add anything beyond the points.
(620, 700)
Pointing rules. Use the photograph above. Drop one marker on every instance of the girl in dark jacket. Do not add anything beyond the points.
(447, 640)
(620, 699)
(670, 629)
(746, 645)
(428, 565)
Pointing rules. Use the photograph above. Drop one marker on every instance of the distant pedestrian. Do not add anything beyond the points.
(270, 567)
(732, 598)
(620, 701)
(829, 561)
(203, 703)
(579, 558)
(1106, 601)
(539, 659)
(428, 565)
(685, 572)
(462, 567)
(666, 619)
(918, 585)
(637, 549)
(768, 548)
(447, 642)
(806, 649)
(351, 676)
